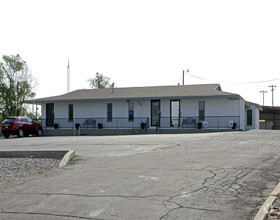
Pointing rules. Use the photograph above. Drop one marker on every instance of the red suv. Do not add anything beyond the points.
(20, 126)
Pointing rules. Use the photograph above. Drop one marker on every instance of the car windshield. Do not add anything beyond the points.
(9, 120)
(29, 120)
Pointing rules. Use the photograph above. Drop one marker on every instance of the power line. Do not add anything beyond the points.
(179, 79)
(256, 82)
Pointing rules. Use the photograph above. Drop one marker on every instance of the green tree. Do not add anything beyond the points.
(16, 85)
(100, 81)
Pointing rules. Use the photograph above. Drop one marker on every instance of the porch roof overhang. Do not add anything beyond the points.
(203, 91)
(39, 102)
(252, 104)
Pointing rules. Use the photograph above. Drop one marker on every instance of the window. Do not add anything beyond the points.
(249, 117)
(70, 112)
(201, 110)
(109, 112)
(175, 113)
(10, 120)
(23, 120)
(131, 111)
(29, 120)
(49, 114)
(155, 113)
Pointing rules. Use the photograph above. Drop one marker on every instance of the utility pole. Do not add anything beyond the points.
(183, 83)
(183, 77)
(68, 77)
(263, 95)
(272, 89)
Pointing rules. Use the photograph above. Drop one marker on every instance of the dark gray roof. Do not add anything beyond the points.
(140, 93)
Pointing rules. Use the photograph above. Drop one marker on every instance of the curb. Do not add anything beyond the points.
(34, 154)
(264, 210)
(66, 159)
(65, 155)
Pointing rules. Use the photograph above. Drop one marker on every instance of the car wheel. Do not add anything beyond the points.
(26, 134)
(20, 133)
(39, 132)
(7, 135)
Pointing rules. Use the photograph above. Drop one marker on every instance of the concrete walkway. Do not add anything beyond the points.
(187, 176)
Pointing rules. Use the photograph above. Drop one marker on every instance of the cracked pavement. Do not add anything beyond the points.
(184, 176)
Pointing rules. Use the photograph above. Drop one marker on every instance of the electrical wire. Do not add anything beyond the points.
(180, 78)
(256, 82)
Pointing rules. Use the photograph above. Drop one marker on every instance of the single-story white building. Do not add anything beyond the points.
(180, 107)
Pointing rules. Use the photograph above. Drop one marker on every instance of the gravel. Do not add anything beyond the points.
(15, 168)
(275, 210)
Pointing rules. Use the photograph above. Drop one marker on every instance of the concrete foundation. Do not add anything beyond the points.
(76, 132)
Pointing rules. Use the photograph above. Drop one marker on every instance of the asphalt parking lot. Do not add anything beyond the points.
(184, 176)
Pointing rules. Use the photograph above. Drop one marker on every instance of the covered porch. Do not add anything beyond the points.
(183, 122)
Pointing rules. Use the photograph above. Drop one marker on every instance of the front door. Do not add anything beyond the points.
(49, 114)
(155, 112)
(175, 113)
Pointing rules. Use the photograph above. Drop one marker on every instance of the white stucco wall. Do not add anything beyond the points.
(60, 110)
(142, 108)
(165, 108)
(213, 107)
(243, 115)
(99, 109)
(221, 107)
(188, 107)
(43, 111)
(256, 119)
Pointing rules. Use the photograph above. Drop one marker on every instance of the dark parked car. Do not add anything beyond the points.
(20, 126)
